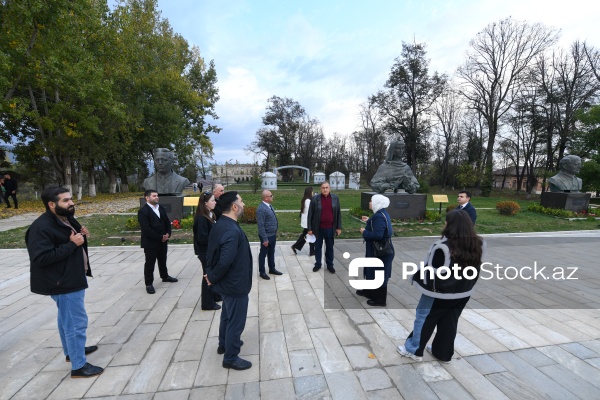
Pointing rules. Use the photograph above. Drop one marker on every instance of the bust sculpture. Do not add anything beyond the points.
(164, 180)
(394, 173)
(565, 180)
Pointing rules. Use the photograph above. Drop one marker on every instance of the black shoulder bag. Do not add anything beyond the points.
(382, 248)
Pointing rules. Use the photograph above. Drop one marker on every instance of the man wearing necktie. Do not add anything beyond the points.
(267, 233)
(464, 203)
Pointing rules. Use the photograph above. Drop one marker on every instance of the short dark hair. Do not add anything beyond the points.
(226, 200)
(465, 192)
(149, 192)
(51, 195)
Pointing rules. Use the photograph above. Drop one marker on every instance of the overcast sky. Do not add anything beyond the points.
(330, 55)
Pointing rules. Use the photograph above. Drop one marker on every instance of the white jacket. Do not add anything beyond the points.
(304, 216)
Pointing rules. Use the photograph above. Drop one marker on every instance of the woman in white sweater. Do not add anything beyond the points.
(304, 205)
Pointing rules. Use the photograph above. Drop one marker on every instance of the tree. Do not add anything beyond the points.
(410, 96)
(448, 112)
(496, 63)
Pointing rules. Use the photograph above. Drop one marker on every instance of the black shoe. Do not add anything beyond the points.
(170, 279)
(294, 249)
(265, 276)
(216, 307)
(86, 371)
(238, 365)
(315, 269)
(88, 350)
(362, 293)
(374, 303)
(150, 289)
(218, 298)
(331, 270)
(275, 272)
(221, 349)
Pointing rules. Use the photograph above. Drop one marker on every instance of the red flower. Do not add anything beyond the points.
(176, 224)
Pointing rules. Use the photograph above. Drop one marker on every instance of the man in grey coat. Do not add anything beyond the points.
(267, 233)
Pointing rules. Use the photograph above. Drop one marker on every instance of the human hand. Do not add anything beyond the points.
(207, 281)
(338, 232)
(76, 238)
(165, 237)
(85, 231)
(309, 233)
(362, 230)
(364, 218)
(266, 243)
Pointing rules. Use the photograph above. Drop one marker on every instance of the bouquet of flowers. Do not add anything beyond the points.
(176, 224)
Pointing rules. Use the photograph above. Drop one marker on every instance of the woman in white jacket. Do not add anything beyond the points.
(304, 206)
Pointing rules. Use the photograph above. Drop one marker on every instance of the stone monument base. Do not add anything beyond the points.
(402, 205)
(576, 202)
(173, 205)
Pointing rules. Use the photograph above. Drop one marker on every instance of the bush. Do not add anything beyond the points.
(132, 224)
(187, 222)
(432, 216)
(508, 207)
(424, 186)
(249, 215)
(359, 212)
(554, 212)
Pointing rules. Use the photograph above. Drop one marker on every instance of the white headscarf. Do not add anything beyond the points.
(379, 201)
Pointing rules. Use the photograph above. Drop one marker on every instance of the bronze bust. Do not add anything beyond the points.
(565, 180)
(164, 180)
(394, 173)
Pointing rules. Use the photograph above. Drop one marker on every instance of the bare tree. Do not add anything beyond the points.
(448, 111)
(498, 57)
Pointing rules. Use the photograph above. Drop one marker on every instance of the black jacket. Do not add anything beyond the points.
(314, 212)
(153, 228)
(469, 209)
(229, 259)
(10, 185)
(202, 228)
(56, 263)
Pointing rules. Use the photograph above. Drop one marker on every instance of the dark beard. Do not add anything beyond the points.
(65, 212)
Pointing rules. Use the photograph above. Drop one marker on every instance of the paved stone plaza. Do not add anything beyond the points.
(163, 346)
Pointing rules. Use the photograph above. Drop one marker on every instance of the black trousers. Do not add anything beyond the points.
(207, 298)
(302, 240)
(154, 254)
(14, 197)
(233, 322)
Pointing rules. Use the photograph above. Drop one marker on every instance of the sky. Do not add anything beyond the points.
(331, 55)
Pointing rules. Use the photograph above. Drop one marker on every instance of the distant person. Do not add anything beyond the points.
(304, 206)
(378, 229)
(203, 224)
(10, 187)
(218, 191)
(464, 203)
(165, 181)
(325, 220)
(267, 234)
(442, 300)
(57, 246)
(565, 180)
(156, 232)
(3, 191)
(229, 260)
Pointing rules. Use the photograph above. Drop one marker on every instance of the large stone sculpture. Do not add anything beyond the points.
(565, 180)
(394, 173)
(164, 180)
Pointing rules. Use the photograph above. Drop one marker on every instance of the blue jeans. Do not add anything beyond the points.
(327, 235)
(268, 252)
(72, 325)
(233, 322)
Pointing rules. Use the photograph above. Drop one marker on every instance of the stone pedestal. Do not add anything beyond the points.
(576, 202)
(173, 205)
(402, 205)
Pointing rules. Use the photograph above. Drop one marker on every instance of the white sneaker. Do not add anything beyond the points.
(428, 348)
(405, 353)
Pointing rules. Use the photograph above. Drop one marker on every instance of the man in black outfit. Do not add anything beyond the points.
(229, 270)
(464, 203)
(156, 231)
(10, 185)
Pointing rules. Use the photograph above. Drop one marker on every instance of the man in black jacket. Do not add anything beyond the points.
(57, 247)
(229, 270)
(156, 232)
(324, 220)
(10, 186)
(464, 203)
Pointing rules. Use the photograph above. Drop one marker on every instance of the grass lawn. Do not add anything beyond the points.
(109, 230)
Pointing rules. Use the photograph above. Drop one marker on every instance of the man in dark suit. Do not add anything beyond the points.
(10, 186)
(464, 203)
(267, 233)
(229, 270)
(156, 231)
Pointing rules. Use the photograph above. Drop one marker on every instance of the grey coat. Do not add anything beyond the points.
(267, 222)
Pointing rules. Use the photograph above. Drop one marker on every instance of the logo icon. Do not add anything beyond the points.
(364, 262)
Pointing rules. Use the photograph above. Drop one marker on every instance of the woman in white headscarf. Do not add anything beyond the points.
(378, 228)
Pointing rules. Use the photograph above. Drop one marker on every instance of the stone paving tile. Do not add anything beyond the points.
(151, 369)
(432, 371)
(246, 376)
(288, 302)
(330, 352)
(374, 379)
(142, 338)
(311, 388)
(192, 343)
(270, 317)
(344, 329)
(450, 389)
(381, 345)
(345, 386)
(359, 357)
(385, 394)
(211, 371)
(175, 325)
(274, 360)
(277, 389)
(572, 382)
(210, 392)
(473, 380)
(243, 391)
(111, 382)
(409, 382)
(42, 385)
(572, 363)
(297, 336)
(304, 363)
(172, 395)
(179, 375)
(251, 337)
(534, 357)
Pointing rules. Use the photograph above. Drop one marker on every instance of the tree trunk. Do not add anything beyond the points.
(79, 182)
(124, 184)
(112, 182)
(74, 180)
(66, 172)
(91, 182)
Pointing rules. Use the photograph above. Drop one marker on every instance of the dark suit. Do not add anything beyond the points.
(153, 229)
(469, 209)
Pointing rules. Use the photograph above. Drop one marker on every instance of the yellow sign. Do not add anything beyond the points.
(190, 201)
(440, 198)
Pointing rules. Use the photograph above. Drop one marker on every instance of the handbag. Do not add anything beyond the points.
(382, 248)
